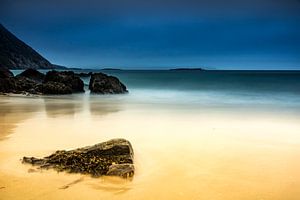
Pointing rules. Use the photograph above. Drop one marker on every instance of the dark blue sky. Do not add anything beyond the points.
(232, 34)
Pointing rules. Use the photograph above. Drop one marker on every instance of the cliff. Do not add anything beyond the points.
(15, 54)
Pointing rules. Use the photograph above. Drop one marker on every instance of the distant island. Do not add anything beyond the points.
(16, 54)
(111, 69)
(187, 69)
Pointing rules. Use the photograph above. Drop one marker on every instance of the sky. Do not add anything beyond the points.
(159, 34)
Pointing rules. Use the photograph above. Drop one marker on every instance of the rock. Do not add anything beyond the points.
(82, 74)
(22, 84)
(18, 85)
(33, 82)
(122, 170)
(51, 87)
(5, 82)
(113, 158)
(67, 78)
(33, 74)
(5, 73)
(54, 82)
(26, 82)
(103, 84)
(6, 85)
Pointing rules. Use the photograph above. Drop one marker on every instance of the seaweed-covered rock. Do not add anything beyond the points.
(33, 74)
(103, 84)
(68, 78)
(114, 158)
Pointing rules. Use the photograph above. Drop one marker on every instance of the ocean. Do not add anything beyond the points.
(208, 87)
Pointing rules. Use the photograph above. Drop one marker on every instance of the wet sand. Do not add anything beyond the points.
(212, 152)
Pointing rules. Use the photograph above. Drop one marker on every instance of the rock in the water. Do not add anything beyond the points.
(33, 74)
(22, 84)
(18, 85)
(113, 158)
(67, 78)
(55, 82)
(54, 88)
(103, 84)
(82, 74)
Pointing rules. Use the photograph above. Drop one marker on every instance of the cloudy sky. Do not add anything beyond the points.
(137, 34)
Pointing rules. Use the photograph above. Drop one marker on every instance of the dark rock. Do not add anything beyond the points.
(82, 74)
(18, 85)
(6, 85)
(5, 73)
(23, 84)
(103, 84)
(51, 87)
(33, 74)
(67, 78)
(55, 82)
(33, 82)
(114, 158)
(122, 170)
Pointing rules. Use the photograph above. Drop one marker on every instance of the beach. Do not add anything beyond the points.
(193, 137)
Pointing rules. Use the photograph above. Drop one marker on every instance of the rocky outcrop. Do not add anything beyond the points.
(19, 84)
(68, 78)
(113, 158)
(24, 85)
(5, 73)
(33, 74)
(103, 84)
(5, 80)
(51, 87)
(57, 82)
(82, 74)
(33, 82)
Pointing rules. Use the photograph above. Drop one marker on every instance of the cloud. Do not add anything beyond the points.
(120, 7)
(165, 31)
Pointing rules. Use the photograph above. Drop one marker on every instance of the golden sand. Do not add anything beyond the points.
(180, 152)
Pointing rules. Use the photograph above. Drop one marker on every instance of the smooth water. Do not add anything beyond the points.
(211, 135)
(193, 87)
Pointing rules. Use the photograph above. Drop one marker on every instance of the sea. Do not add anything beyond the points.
(208, 87)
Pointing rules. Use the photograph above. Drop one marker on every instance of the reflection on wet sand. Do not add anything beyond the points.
(14, 110)
(56, 107)
(104, 107)
(75, 104)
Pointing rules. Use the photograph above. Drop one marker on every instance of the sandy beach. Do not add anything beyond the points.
(182, 151)
(150, 100)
